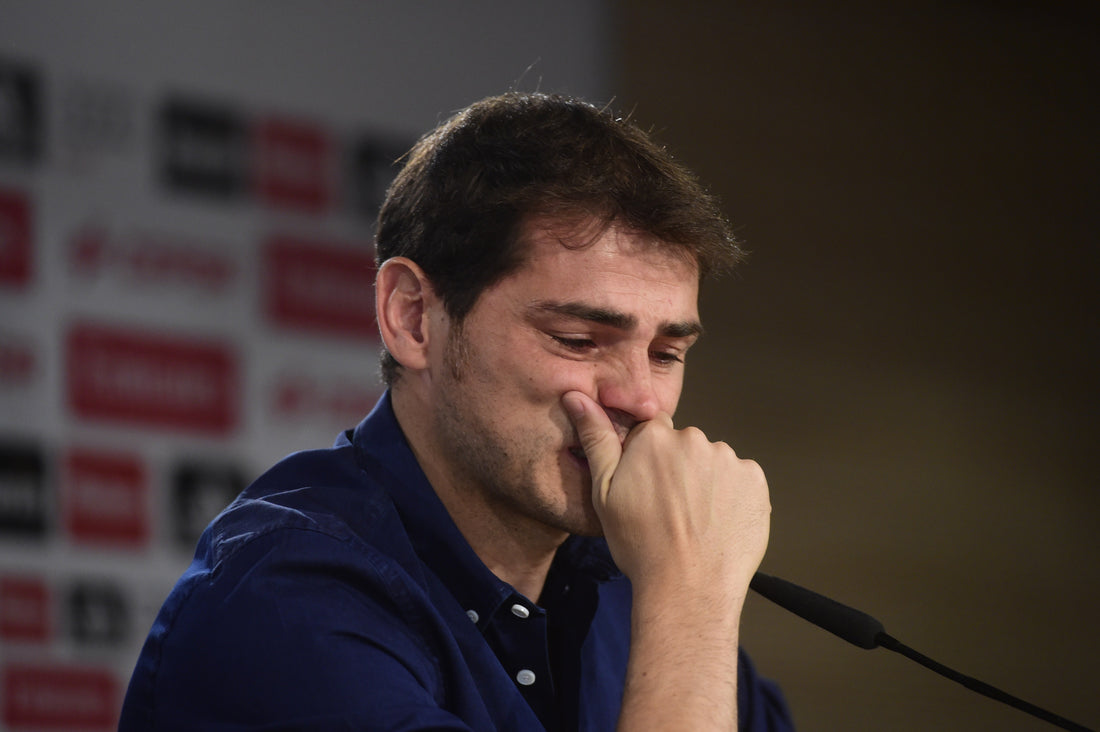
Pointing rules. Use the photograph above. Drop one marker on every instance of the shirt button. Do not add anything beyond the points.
(472, 615)
(525, 677)
(520, 611)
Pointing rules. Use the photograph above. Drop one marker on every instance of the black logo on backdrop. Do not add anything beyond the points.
(22, 491)
(21, 120)
(199, 493)
(98, 613)
(203, 149)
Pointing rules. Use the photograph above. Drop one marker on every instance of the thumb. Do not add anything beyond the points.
(598, 437)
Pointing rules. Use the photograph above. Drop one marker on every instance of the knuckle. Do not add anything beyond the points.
(693, 433)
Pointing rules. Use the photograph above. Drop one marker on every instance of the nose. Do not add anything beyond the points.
(627, 392)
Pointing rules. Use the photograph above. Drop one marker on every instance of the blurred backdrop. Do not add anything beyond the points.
(186, 203)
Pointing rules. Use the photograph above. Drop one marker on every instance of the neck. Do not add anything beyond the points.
(518, 552)
(517, 556)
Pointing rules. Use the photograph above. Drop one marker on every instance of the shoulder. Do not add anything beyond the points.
(314, 513)
(306, 582)
(322, 497)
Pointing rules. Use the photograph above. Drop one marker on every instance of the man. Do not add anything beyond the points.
(516, 538)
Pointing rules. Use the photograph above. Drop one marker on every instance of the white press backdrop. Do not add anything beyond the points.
(186, 202)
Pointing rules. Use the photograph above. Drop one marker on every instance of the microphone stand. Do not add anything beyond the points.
(860, 629)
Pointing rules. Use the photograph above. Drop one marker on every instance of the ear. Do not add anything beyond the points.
(404, 299)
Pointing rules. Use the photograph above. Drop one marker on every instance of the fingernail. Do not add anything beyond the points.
(574, 406)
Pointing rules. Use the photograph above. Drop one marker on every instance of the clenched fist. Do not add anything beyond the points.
(676, 509)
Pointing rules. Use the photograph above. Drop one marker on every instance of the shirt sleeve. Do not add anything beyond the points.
(761, 706)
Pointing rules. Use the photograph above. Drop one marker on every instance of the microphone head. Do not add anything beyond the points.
(858, 628)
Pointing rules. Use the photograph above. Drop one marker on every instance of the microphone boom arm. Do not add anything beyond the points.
(860, 629)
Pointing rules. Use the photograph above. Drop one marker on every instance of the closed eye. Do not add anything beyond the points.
(666, 358)
(580, 345)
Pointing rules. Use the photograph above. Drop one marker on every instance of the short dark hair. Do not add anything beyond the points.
(459, 205)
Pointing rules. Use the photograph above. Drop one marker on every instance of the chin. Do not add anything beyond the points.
(579, 516)
(583, 522)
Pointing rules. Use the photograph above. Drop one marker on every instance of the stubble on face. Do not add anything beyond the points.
(502, 471)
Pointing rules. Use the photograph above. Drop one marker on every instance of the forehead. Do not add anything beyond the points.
(605, 265)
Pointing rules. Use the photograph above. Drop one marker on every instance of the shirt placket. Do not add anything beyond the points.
(518, 633)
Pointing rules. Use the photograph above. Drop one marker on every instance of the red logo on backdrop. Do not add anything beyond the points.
(320, 287)
(300, 396)
(152, 257)
(24, 609)
(294, 165)
(15, 239)
(148, 379)
(105, 498)
(58, 697)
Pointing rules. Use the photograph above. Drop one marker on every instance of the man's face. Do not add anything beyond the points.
(613, 320)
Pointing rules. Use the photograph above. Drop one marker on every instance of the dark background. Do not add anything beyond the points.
(910, 352)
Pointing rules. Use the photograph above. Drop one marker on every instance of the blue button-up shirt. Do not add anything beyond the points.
(336, 594)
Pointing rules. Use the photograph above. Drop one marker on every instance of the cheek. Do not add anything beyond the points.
(532, 376)
(564, 375)
(668, 393)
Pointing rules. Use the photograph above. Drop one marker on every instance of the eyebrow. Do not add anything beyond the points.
(616, 318)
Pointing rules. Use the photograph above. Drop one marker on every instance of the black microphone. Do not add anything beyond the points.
(860, 629)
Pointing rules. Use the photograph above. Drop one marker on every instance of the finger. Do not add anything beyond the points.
(599, 440)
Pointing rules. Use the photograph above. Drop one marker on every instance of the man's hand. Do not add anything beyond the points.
(687, 521)
(675, 507)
